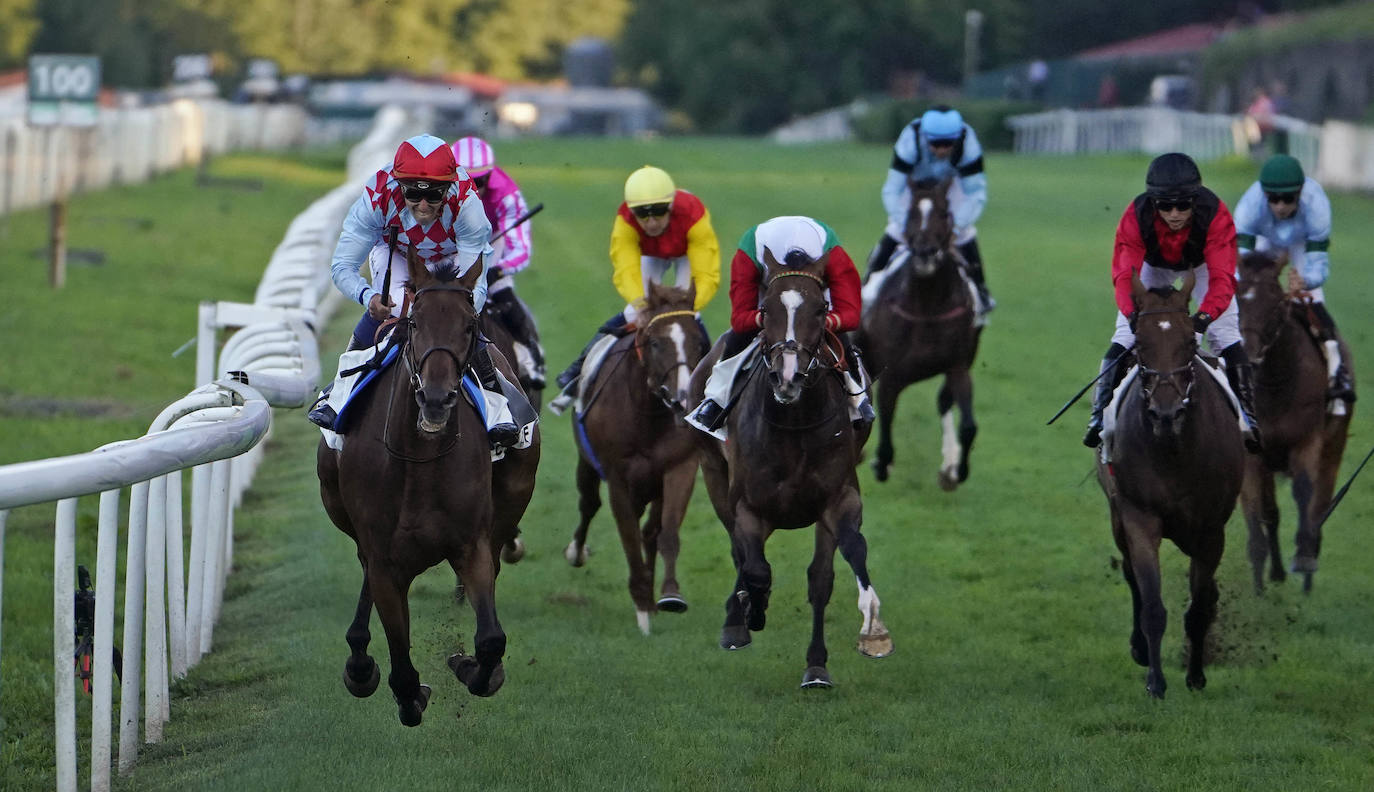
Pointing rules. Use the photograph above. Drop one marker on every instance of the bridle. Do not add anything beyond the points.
(1271, 328)
(660, 388)
(1153, 378)
(791, 344)
(414, 366)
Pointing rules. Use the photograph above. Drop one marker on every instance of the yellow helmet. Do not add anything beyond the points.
(649, 185)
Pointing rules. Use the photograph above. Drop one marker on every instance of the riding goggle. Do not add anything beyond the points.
(1182, 205)
(650, 210)
(431, 194)
(942, 143)
(1281, 198)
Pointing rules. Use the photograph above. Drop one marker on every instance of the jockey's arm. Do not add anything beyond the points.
(626, 272)
(1127, 257)
(846, 303)
(514, 254)
(1220, 255)
(362, 228)
(703, 256)
(896, 196)
(745, 277)
(973, 182)
(1316, 212)
(472, 234)
(1248, 218)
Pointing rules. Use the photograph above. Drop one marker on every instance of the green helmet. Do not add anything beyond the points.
(1281, 174)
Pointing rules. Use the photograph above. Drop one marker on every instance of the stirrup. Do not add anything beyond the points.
(1093, 437)
(710, 415)
(504, 435)
(560, 403)
(322, 415)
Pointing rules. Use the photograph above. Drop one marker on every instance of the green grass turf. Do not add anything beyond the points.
(1009, 615)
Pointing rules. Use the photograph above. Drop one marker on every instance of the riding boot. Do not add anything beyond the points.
(506, 433)
(515, 316)
(973, 265)
(881, 255)
(1241, 374)
(861, 404)
(1106, 386)
(321, 414)
(1339, 384)
(709, 416)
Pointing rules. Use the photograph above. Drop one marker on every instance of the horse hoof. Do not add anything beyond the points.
(513, 551)
(412, 712)
(1197, 683)
(816, 677)
(880, 472)
(1155, 685)
(734, 637)
(1307, 583)
(672, 603)
(875, 645)
(1305, 564)
(949, 482)
(365, 688)
(468, 669)
(576, 557)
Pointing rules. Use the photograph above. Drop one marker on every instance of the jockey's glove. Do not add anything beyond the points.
(1200, 321)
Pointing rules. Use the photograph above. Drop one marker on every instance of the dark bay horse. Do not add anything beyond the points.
(495, 328)
(1175, 471)
(414, 485)
(631, 433)
(789, 463)
(1302, 440)
(922, 324)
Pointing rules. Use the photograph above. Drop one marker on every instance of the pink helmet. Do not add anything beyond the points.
(475, 155)
(424, 157)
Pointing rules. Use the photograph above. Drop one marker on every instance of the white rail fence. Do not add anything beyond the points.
(1338, 154)
(129, 145)
(171, 603)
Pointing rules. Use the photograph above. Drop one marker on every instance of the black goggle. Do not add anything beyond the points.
(651, 210)
(1281, 198)
(431, 194)
(1181, 205)
(481, 181)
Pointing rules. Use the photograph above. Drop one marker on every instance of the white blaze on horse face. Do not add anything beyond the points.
(684, 372)
(1249, 294)
(925, 205)
(791, 300)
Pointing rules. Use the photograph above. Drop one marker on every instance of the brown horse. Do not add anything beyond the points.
(922, 324)
(495, 329)
(1175, 470)
(414, 485)
(789, 463)
(630, 432)
(1302, 439)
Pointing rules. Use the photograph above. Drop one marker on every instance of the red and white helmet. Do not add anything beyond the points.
(475, 155)
(424, 157)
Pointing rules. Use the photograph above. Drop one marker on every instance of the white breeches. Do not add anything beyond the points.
(654, 269)
(400, 275)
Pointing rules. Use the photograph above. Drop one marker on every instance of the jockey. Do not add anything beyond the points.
(937, 145)
(503, 204)
(1287, 211)
(435, 212)
(1174, 226)
(658, 228)
(795, 241)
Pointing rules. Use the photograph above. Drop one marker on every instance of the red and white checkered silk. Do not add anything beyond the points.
(431, 244)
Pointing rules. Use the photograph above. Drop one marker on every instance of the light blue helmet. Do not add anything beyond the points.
(942, 123)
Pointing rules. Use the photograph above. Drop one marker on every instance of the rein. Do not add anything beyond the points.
(1186, 392)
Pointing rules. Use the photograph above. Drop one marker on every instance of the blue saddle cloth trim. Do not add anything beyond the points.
(474, 391)
(580, 431)
(341, 422)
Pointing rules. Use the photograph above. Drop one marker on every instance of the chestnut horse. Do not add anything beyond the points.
(789, 463)
(1175, 469)
(630, 432)
(415, 485)
(1302, 438)
(921, 323)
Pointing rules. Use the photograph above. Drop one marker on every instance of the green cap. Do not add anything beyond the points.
(1281, 174)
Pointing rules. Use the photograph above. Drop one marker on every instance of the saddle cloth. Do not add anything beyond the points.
(1114, 407)
(590, 365)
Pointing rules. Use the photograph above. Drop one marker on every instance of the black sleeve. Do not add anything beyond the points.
(900, 165)
(971, 168)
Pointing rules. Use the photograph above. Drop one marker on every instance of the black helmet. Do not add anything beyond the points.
(1172, 176)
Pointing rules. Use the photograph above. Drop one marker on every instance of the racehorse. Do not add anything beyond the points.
(1174, 472)
(630, 432)
(414, 485)
(789, 464)
(1302, 439)
(922, 323)
(496, 329)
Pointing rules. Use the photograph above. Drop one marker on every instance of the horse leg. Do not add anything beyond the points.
(481, 671)
(1142, 537)
(755, 574)
(820, 584)
(1261, 518)
(627, 514)
(1306, 472)
(677, 491)
(887, 391)
(955, 447)
(361, 674)
(389, 595)
(588, 502)
(1326, 462)
(734, 634)
(874, 639)
(1202, 609)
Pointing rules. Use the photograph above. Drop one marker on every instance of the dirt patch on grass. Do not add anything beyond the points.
(51, 407)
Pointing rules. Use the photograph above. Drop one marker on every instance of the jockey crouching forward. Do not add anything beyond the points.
(1177, 225)
(658, 229)
(504, 204)
(799, 240)
(1285, 210)
(434, 211)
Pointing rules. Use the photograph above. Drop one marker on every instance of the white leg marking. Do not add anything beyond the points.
(949, 444)
(643, 618)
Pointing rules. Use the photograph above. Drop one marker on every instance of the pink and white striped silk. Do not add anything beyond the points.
(474, 154)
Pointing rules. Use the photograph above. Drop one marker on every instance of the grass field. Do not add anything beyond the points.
(1009, 615)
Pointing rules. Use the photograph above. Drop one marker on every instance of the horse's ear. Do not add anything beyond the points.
(770, 264)
(469, 279)
(420, 276)
(823, 263)
(655, 294)
(1138, 289)
(1281, 258)
(1189, 281)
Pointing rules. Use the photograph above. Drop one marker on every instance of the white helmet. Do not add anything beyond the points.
(475, 155)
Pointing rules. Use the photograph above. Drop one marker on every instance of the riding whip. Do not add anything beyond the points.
(390, 254)
(522, 218)
(1336, 500)
(1079, 395)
